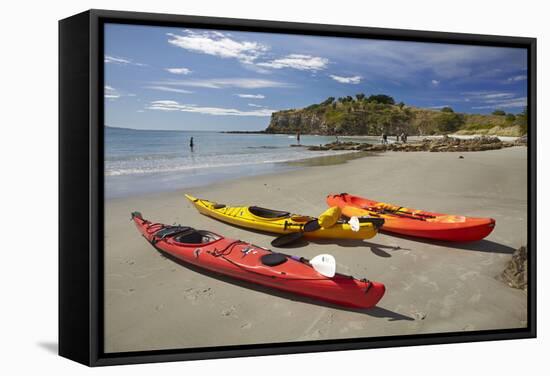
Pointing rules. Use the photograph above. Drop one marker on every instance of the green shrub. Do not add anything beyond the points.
(449, 122)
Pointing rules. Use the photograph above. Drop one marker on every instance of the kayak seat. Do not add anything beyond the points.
(172, 230)
(267, 213)
(196, 237)
(273, 259)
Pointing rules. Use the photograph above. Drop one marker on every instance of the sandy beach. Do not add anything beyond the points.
(154, 303)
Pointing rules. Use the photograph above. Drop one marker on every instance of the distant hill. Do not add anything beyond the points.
(377, 114)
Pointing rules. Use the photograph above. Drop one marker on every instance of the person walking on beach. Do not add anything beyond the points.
(298, 138)
(404, 137)
(191, 144)
(384, 138)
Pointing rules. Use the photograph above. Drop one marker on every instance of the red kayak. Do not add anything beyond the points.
(254, 264)
(412, 222)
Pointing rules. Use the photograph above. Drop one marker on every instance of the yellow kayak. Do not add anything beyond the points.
(279, 222)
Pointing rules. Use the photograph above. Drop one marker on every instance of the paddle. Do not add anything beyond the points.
(377, 222)
(289, 238)
(314, 225)
(324, 264)
(411, 215)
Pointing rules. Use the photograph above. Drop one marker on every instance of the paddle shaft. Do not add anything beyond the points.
(400, 214)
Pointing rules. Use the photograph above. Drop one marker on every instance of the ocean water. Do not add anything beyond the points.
(143, 161)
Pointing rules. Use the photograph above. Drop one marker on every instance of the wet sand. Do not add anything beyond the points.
(152, 302)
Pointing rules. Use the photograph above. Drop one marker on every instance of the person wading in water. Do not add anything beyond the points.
(191, 144)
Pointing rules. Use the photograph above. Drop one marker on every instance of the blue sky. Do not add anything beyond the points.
(193, 79)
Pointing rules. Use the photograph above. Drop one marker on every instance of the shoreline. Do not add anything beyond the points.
(153, 303)
(333, 153)
(216, 176)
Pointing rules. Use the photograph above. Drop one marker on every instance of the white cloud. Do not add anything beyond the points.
(435, 82)
(517, 78)
(220, 83)
(218, 44)
(255, 105)
(183, 71)
(110, 92)
(169, 105)
(497, 96)
(297, 61)
(120, 60)
(251, 96)
(346, 80)
(507, 103)
(487, 95)
(169, 89)
(492, 99)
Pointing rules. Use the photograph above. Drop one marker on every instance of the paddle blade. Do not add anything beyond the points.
(324, 264)
(286, 239)
(354, 224)
(312, 226)
(377, 222)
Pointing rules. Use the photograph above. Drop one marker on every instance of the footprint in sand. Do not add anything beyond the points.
(315, 335)
(469, 275)
(449, 303)
(418, 315)
(159, 307)
(195, 294)
(246, 325)
(230, 312)
(343, 330)
(475, 298)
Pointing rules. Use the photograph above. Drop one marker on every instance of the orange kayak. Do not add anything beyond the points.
(412, 222)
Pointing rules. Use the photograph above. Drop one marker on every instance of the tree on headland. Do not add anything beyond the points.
(447, 109)
(401, 105)
(360, 96)
(449, 122)
(328, 101)
(499, 113)
(381, 98)
(521, 120)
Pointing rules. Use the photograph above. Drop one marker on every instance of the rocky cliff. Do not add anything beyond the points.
(361, 116)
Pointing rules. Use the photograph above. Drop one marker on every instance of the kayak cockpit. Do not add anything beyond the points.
(196, 237)
(267, 213)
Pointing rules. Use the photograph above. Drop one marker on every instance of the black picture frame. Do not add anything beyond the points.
(81, 187)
